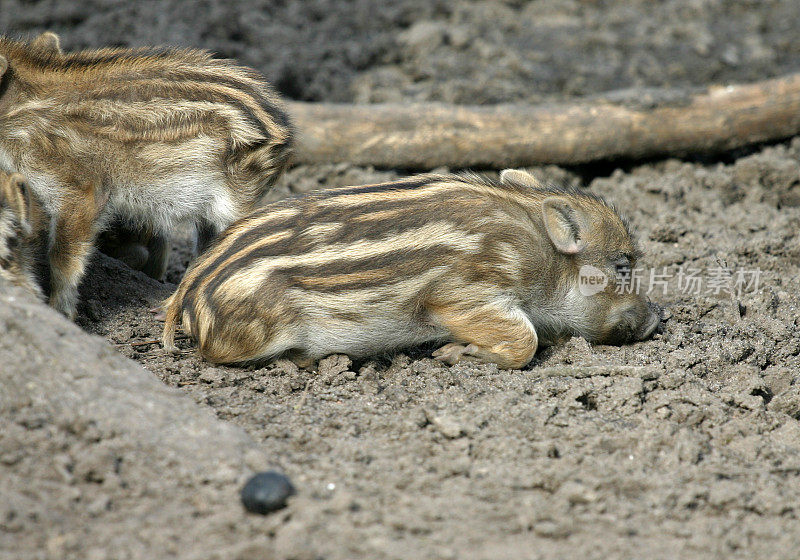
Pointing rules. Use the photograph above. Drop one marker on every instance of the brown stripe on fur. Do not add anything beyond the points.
(356, 275)
(352, 197)
(250, 336)
(172, 129)
(200, 278)
(247, 81)
(144, 91)
(380, 215)
(412, 183)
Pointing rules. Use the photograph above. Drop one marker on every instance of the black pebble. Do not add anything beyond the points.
(266, 492)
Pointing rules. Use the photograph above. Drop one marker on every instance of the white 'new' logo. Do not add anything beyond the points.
(591, 280)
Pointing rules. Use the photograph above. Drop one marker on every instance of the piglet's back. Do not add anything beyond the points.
(145, 95)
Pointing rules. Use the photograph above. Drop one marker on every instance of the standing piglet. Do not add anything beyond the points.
(495, 268)
(143, 139)
(21, 225)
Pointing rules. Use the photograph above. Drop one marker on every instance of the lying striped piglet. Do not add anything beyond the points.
(492, 269)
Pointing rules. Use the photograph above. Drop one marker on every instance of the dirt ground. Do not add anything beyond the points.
(686, 445)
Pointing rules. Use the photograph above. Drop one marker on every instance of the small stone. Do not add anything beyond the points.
(419, 418)
(577, 493)
(551, 529)
(448, 426)
(459, 36)
(99, 506)
(424, 37)
(266, 492)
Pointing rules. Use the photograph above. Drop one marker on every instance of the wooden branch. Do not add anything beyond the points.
(631, 124)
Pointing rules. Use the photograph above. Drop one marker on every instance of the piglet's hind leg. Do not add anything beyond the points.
(488, 333)
(158, 256)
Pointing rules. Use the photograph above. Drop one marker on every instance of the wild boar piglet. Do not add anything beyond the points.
(21, 227)
(138, 140)
(494, 268)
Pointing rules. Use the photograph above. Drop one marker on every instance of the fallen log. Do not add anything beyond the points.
(630, 124)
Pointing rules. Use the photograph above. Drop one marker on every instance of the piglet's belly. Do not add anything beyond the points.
(179, 198)
(328, 335)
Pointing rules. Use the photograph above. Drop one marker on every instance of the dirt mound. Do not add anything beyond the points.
(98, 458)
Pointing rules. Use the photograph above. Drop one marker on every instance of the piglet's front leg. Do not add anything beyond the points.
(72, 236)
(488, 333)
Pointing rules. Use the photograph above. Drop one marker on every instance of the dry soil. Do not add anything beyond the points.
(687, 445)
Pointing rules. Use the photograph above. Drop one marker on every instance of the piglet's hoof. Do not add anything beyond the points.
(159, 313)
(454, 352)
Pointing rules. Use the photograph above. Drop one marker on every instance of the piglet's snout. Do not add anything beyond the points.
(653, 322)
(631, 322)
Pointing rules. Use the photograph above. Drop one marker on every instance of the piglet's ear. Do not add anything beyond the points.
(3, 65)
(48, 41)
(21, 184)
(566, 225)
(23, 192)
(519, 177)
